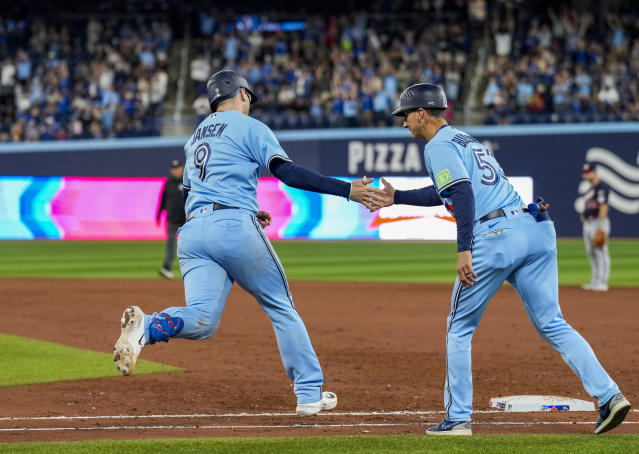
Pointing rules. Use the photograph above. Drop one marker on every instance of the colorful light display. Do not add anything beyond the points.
(89, 208)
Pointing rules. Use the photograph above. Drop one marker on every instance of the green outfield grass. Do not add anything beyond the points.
(364, 261)
(25, 361)
(364, 444)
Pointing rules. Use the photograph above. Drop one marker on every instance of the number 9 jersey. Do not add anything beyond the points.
(223, 159)
(452, 156)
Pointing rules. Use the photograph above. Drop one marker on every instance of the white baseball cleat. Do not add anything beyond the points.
(166, 274)
(327, 402)
(600, 288)
(129, 345)
(588, 286)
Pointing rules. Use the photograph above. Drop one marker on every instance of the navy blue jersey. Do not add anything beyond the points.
(595, 197)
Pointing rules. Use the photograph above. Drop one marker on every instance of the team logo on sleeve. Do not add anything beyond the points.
(443, 177)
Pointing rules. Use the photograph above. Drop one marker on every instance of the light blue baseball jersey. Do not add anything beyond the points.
(223, 159)
(452, 156)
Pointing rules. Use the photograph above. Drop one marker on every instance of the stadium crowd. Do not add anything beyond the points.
(563, 65)
(341, 70)
(107, 76)
(88, 79)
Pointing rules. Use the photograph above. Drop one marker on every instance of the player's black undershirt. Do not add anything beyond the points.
(461, 194)
(423, 197)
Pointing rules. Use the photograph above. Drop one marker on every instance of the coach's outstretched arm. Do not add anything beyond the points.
(423, 197)
(300, 177)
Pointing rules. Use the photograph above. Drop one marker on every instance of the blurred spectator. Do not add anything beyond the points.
(106, 79)
(200, 73)
(583, 65)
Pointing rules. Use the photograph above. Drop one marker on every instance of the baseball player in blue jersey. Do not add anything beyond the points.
(222, 241)
(498, 239)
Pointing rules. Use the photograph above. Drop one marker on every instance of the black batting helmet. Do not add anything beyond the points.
(426, 96)
(224, 84)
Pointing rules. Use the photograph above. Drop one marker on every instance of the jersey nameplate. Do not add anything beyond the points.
(204, 132)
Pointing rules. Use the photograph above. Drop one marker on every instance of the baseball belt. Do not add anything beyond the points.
(216, 206)
(497, 214)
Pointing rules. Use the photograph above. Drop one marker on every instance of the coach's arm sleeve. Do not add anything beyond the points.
(300, 177)
(423, 197)
(461, 195)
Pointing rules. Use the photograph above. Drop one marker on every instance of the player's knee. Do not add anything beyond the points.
(551, 330)
(207, 326)
(206, 323)
(458, 340)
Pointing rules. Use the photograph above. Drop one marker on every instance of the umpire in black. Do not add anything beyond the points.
(173, 203)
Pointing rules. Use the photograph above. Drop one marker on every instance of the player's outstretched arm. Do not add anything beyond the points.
(300, 177)
(425, 197)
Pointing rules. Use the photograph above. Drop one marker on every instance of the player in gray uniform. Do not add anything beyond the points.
(595, 218)
(223, 242)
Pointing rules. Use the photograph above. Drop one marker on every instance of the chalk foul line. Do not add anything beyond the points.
(246, 415)
(289, 426)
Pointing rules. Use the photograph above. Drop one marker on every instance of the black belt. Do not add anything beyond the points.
(492, 215)
(497, 214)
(219, 206)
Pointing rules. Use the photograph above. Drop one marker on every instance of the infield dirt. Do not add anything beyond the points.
(381, 347)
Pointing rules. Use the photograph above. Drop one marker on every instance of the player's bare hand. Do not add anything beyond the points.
(465, 272)
(543, 207)
(264, 218)
(368, 196)
(388, 198)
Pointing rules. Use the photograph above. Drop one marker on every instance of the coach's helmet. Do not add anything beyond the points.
(426, 96)
(225, 84)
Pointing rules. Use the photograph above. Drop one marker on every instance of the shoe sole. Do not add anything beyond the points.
(616, 417)
(124, 355)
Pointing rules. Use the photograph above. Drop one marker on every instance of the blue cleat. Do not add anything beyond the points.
(447, 427)
(612, 413)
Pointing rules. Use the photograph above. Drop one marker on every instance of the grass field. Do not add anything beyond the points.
(303, 260)
(478, 444)
(27, 361)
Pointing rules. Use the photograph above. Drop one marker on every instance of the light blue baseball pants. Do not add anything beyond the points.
(522, 251)
(225, 246)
